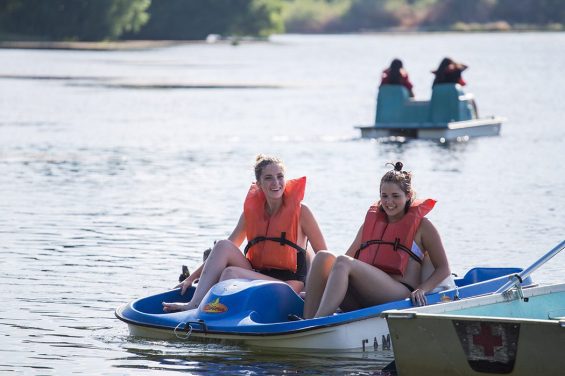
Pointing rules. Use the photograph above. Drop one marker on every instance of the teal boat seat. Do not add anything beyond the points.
(450, 103)
(394, 105)
(390, 103)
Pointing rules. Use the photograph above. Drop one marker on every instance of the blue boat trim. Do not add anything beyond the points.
(245, 319)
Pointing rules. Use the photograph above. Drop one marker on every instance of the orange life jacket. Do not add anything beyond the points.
(272, 239)
(388, 246)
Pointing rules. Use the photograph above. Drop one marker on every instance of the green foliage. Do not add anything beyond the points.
(73, 19)
(353, 15)
(357, 15)
(194, 19)
(448, 12)
(260, 18)
(127, 16)
(313, 16)
(538, 12)
(92, 20)
(369, 15)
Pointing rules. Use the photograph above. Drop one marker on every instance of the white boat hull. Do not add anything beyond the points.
(363, 335)
(453, 131)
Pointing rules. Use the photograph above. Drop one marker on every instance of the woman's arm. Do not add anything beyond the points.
(238, 234)
(311, 229)
(431, 242)
(192, 277)
(356, 243)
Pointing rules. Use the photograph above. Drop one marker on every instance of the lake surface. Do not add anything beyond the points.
(118, 167)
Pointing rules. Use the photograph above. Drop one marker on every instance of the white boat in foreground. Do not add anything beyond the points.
(520, 332)
(515, 331)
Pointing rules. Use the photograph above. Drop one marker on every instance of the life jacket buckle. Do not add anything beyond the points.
(283, 238)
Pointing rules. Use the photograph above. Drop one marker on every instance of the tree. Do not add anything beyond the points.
(368, 15)
(194, 19)
(260, 18)
(448, 12)
(72, 19)
(537, 12)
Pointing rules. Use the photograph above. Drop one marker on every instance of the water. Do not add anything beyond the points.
(118, 167)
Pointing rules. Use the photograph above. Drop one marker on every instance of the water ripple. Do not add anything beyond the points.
(110, 181)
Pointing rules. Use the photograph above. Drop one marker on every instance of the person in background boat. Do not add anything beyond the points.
(384, 262)
(277, 226)
(449, 72)
(397, 75)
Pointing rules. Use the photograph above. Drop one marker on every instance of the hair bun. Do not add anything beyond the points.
(398, 166)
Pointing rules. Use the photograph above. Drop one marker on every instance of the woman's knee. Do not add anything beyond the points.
(222, 245)
(224, 249)
(324, 257)
(343, 263)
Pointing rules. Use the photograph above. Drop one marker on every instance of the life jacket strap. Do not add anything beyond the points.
(301, 266)
(395, 245)
(282, 240)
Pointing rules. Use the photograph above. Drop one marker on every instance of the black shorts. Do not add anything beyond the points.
(283, 275)
(287, 275)
(408, 286)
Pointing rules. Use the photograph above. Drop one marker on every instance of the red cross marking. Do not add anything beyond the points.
(487, 340)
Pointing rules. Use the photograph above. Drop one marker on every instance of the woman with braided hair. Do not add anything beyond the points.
(384, 262)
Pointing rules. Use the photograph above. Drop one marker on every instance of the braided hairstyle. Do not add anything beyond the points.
(401, 178)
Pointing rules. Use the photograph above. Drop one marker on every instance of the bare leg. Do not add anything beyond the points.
(224, 254)
(336, 288)
(351, 301)
(371, 285)
(316, 281)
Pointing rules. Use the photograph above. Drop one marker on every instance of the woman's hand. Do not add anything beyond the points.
(418, 298)
(184, 285)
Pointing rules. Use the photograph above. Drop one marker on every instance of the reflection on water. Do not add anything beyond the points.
(237, 360)
(106, 192)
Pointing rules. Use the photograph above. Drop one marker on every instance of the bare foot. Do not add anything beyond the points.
(174, 307)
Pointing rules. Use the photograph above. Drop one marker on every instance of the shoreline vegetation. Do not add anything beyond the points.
(134, 44)
(90, 46)
(115, 45)
(140, 24)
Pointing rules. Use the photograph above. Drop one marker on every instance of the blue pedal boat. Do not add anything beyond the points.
(256, 313)
(450, 115)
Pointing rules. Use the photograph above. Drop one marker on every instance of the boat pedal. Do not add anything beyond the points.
(185, 273)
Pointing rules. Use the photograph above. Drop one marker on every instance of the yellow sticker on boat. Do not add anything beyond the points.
(215, 307)
(445, 298)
